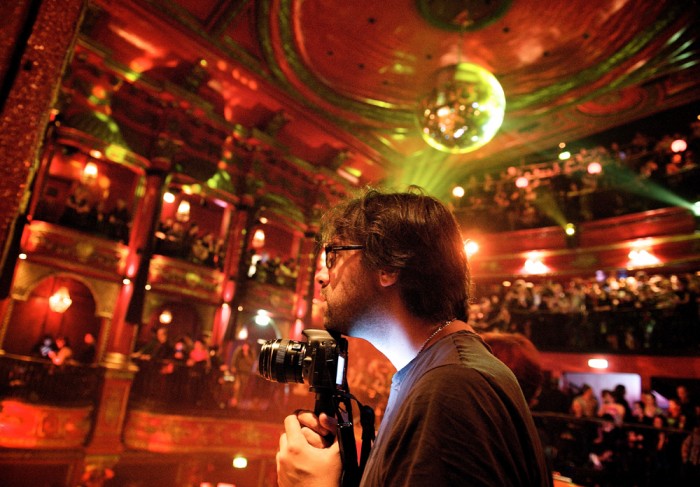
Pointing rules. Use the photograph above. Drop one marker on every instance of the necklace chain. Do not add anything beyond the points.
(438, 330)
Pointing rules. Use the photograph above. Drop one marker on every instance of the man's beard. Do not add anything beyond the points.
(355, 314)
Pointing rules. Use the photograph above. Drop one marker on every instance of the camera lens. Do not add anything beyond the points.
(282, 361)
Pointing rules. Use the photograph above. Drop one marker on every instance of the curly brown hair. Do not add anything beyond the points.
(414, 234)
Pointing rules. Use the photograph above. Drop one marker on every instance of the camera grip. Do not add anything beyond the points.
(325, 403)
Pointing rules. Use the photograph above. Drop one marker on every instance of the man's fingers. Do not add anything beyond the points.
(323, 426)
(283, 441)
(328, 422)
(292, 427)
(313, 438)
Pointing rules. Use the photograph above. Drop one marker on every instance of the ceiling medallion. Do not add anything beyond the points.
(464, 109)
(462, 15)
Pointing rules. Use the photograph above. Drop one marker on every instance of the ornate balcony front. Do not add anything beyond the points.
(72, 250)
(44, 406)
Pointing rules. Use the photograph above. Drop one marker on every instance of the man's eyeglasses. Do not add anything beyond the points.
(332, 249)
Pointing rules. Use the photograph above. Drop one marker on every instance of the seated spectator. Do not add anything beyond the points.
(63, 351)
(180, 352)
(199, 355)
(117, 222)
(607, 446)
(651, 408)
(688, 405)
(44, 347)
(78, 208)
(88, 352)
(189, 240)
(609, 406)
(586, 402)
(243, 363)
(158, 348)
(202, 251)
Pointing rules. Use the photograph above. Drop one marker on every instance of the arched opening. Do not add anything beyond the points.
(37, 316)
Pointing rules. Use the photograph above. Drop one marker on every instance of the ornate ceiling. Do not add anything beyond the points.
(341, 79)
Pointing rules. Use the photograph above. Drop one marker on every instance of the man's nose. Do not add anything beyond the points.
(322, 276)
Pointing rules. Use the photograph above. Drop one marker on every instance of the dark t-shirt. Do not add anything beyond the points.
(456, 417)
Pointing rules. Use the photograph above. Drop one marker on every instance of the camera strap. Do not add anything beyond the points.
(367, 423)
(352, 471)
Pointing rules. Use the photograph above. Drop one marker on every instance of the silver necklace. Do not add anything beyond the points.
(439, 329)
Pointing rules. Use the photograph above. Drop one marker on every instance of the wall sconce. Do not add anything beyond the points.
(258, 239)
(534, 265)
(641, 257)
(60, 301)
(89, 173)
(183, 211)
(471, 248)
(166, 317)
(242, 333)
(262, 318)
(598, 363)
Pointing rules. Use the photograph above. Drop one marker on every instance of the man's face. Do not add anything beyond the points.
(349, 292)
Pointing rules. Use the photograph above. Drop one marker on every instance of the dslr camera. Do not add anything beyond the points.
(319, 362)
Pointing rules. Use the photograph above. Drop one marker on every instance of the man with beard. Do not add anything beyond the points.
(396, 275)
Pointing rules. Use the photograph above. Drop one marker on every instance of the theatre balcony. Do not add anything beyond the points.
(166, 165)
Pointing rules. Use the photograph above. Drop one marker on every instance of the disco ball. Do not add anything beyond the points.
(464, 109)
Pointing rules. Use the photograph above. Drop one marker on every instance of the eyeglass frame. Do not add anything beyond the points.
(332, 249)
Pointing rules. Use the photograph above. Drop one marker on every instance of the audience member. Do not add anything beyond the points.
(87, 354)
(199, 355)
(619, 393)
(607, 447)
(77, 209)
(63, 351)
(158, 348)
(521, 356)
(586, 402)
(180, 352)
(44, 347)
(117, 221)
(687, 404)
(243, 363)
(609, 406)
(651, 408)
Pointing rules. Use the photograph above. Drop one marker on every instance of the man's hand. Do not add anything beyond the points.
(303, 460)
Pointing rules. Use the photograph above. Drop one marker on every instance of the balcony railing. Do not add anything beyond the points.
(41, 382)
(172, 387)
(640, 331)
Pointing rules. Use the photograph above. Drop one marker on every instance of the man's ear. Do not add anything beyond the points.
(388, 277)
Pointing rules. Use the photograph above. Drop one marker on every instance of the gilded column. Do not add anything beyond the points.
(36, 43)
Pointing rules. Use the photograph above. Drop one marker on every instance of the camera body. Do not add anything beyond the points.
(319, 362)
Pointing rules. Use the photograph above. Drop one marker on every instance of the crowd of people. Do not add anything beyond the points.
(83, 213)
(59, 351)
(643, 312)
(192, 370)
(596, 182)
(272, 270)
(601, 438)
(186, 240)
(594, 436)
